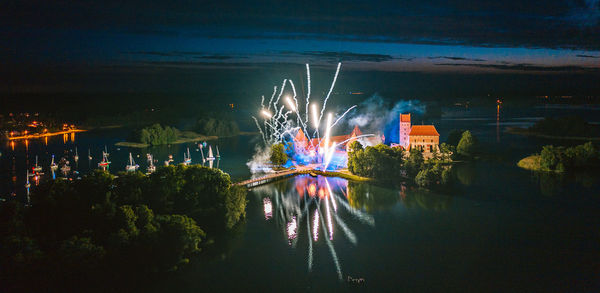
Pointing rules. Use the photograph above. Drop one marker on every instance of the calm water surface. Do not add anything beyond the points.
(499, 228)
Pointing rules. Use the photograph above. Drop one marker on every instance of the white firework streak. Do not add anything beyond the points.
(260, 129)
(308, 93)
(337, 71)
(280, 93)
(262, 102)
(340, 118)
(272, 96)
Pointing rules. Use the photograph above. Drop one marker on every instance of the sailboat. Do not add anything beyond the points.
(218, 155)
(187, 160)
(27, 184)
(37, 167)
(105, 162)
(65, 168)
(76, 158)
(202, 152)
(151, 167)
(210, 157)
(106, 151)
(89, 155)
(132, 165)
(53, 165)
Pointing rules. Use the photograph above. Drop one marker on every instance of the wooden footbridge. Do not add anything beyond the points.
(253, 182)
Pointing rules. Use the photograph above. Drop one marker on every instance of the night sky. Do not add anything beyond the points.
(197, 46)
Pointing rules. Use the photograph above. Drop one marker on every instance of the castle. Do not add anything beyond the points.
(423, 137)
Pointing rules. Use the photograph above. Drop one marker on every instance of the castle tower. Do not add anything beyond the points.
(404, 130)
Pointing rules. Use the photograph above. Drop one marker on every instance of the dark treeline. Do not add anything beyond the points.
(156, 135)
(217, 126)
(569, 158)
(104, 232)
(569, 126)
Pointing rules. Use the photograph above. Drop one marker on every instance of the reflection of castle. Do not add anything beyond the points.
(423, 137)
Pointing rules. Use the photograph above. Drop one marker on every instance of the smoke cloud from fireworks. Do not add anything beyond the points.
(376, 113)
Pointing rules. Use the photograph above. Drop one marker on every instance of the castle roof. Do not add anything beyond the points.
(405, 117)
(355, 131)
(423, 130)
(300, 136)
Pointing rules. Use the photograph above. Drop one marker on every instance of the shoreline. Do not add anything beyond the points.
(34, 136)
(526, 132)
(190, 138)
(532, 163)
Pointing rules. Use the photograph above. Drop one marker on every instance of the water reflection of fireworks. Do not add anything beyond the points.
(314, 203)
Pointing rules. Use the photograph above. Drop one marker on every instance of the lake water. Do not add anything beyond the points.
(499, 228)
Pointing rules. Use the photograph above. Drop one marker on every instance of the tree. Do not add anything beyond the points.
(414, 163)
(467, 146)
(454, 137)
(278, 155)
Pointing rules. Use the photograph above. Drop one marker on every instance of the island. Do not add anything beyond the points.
(562, 159)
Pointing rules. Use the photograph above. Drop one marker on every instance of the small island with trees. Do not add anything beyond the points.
(563, 159)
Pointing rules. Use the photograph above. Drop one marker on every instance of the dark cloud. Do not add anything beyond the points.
(345, 56)
(525, 67)
(456, 58)
(512, 23)
(195, 55)
(587, 56)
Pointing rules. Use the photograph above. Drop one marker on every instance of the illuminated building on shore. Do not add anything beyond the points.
(423, 137)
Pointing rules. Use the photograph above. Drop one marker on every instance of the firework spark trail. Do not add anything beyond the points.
(329, 156)
(260, 129)
(357, 137)
(337, 71)
(340, 118)
(262, 102)
(280, 93)
(308, 93)
(272, 96)
(331, 249)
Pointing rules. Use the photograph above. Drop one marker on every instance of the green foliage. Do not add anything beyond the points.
(102, 227)
(467, 146)
(447, 151)
(219, 127)
(454, 137)
(157, 135)
(561, 159)
(380, 161)
(278, 155)
(414, 163)
(431, 175)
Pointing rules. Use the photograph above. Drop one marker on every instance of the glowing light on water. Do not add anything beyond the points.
(316, 226)
(292, 229)
(268, 208)
(329, 224)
